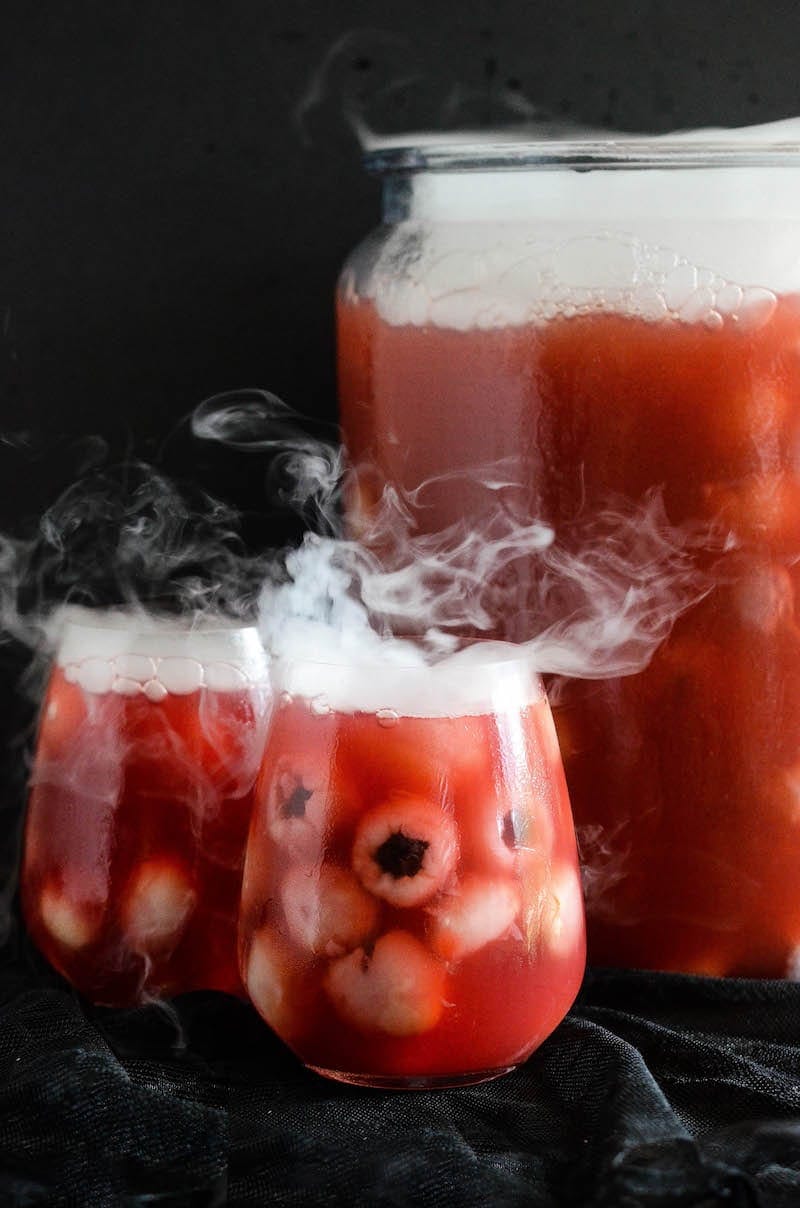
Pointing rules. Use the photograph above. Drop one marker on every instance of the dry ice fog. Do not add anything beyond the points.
(171, 567)
(402, 596)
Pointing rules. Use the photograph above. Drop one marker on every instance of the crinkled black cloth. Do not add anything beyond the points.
(656, 1091)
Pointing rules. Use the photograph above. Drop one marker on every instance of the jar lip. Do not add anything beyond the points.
(583, 154)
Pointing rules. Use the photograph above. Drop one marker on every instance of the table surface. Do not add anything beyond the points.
(656, 1090)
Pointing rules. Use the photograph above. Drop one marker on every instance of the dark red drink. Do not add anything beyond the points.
(411, 910)
(139, 805)
(684, 779)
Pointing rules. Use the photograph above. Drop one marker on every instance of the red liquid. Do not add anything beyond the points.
(137, 820)
(685, 779)
(411, 909)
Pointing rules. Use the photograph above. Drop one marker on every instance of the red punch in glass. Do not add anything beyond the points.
(411, 912)
(149, 742)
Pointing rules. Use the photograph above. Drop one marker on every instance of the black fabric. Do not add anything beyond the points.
(660, 1091)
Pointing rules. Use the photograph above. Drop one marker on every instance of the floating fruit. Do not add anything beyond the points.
(405, 850)
(398, 988)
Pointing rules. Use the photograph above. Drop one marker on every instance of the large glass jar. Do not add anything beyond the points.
(625, 317)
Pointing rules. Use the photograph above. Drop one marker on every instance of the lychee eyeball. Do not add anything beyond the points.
(296, 795)
(405, 850)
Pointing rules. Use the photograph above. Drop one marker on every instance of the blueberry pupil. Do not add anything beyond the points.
(401, 856)
(294, 805)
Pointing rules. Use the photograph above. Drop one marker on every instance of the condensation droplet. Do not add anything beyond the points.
(71, 673)
(285, 699)
(155, 691)
(387, 717)
(319, 706)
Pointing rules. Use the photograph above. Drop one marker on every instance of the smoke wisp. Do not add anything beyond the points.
(592, 602)
(380, 84)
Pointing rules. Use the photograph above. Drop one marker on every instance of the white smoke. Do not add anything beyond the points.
(593, 602)
(378, 83)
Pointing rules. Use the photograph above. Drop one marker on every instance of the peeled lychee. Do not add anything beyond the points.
(562, 918)
(158, 901)
(327, 910)
(763, 597)
(398, 989)
(478, 911)
(70, 924)
(268, 978)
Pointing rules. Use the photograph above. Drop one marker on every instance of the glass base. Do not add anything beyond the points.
(413, 1082)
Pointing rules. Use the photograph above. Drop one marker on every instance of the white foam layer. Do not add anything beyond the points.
(130, 654)
(486, 249)
(490, 677)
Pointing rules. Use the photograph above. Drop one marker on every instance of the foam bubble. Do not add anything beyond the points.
(504, 247)
(130, 653)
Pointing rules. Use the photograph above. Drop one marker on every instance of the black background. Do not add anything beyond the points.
(180, 184)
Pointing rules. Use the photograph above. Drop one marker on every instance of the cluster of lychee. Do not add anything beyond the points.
(154, 908)
(404, 856)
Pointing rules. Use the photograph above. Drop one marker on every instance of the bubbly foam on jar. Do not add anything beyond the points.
(489, 249)
(390, 678)
(131, 654)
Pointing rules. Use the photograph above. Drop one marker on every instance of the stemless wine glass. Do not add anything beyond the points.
(411, 907)
(149, 744)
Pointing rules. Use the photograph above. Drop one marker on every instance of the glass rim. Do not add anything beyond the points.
(425, 690)
(584, 154)
(515, 658)
(143, 625)
(115, 636)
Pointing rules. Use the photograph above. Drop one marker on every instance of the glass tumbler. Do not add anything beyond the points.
(149, 743)
(411, 909)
